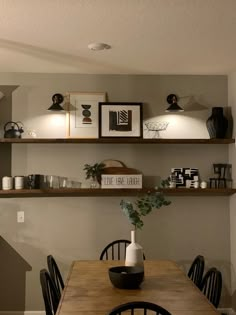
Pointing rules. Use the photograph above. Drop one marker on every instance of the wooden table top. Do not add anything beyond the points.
(88, 290)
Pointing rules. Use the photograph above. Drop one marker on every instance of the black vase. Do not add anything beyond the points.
(217, 123)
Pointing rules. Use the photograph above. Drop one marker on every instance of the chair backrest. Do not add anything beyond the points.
(139, 305)
(196, 270)
(115, 250)
(55, 274)
(211, 286)
(50, 294)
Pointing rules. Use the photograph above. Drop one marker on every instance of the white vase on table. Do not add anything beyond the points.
(134, 252)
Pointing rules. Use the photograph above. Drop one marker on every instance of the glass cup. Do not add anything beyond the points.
(63, 182)
(76, 184)
(73, 183)
(52, 181)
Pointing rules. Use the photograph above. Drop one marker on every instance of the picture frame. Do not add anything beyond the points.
(185, 176)
(82, 117)
(120, 119)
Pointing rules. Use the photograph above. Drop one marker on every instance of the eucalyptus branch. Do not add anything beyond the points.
(143, 206)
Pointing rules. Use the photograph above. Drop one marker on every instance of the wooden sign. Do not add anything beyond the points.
(121, 181)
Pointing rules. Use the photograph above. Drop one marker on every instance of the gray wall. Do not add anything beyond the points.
(78, 228)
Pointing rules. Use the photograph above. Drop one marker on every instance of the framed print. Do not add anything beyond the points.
(120, 119)
(82, 120)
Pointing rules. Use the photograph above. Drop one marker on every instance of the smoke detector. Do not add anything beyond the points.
(98, 46)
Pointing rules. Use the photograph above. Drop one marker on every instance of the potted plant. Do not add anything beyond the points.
(94, 172)
(135, 213)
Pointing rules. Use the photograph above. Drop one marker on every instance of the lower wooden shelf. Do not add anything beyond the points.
(199, 191)
(88, 192)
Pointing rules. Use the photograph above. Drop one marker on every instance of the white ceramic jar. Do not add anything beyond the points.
(7, 183)
(19, 182)
(203, 184)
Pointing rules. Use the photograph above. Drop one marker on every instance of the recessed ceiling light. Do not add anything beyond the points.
(98, 46)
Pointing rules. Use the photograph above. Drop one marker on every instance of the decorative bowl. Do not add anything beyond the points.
(126, 277)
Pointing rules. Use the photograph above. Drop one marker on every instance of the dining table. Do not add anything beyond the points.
(89, 291)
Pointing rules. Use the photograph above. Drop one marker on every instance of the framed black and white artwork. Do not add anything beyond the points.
(82, 120)
(120, 119)
(185, 176)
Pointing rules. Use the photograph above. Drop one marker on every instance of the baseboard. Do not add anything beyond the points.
(22, 313)
(228, 311)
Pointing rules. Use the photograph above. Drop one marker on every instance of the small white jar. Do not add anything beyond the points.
(7, 183)
(203, 184)
(19, 182)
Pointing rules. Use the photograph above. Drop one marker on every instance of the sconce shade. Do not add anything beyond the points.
(57, 99)
(174, 107)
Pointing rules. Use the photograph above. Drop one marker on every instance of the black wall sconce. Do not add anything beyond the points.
(57, 99)
(174, 107)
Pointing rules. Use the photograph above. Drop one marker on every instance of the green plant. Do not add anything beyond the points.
(94, 171)
(144, 205)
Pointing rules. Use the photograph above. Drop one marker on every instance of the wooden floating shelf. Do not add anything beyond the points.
(118, 140)
(87, 192)
(199, 191)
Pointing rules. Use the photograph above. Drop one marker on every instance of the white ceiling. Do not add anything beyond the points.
(147, 36)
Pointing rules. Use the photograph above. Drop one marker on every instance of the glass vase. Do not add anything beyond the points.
(94, 183)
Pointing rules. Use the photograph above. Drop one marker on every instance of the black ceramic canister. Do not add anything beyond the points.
(33, 181)
(217, 123)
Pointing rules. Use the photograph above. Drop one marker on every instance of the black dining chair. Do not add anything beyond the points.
(115, 250)
(139, 305)
(196, 270)
(50, 294)
(55, 274)
(211, 285)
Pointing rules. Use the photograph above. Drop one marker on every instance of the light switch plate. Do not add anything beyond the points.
(20, 216)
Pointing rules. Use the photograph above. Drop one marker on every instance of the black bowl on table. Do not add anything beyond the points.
(126, 277)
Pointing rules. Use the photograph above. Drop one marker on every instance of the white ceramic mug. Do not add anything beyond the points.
(7, 183)
(19, 182)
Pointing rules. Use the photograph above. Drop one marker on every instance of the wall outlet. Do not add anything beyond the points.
(20, 216)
